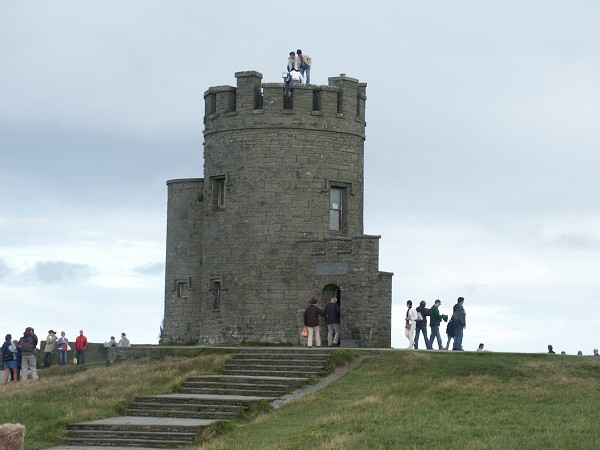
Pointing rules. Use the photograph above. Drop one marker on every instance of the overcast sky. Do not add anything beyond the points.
(482, 155)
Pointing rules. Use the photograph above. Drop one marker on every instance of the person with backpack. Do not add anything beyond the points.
(411, 323)
(421, 327)
(459, 318)
(9, 359)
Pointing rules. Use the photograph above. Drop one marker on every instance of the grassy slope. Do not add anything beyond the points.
(394, 399)
(406, 399)
(65, 395)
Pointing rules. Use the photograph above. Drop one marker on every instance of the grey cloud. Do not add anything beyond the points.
(5, 270)
(150, 269)
(57, 272)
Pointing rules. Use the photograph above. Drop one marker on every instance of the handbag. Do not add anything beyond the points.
(304, 332)
(407, 326)
(8, 357)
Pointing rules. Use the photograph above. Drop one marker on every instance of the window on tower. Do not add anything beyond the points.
(216, 294)
(336, 208)
(218, 187)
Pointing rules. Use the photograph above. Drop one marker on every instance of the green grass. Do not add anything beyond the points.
(69, 394)
(438, 400)
(392, 400)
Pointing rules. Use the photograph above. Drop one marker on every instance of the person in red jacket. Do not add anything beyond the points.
(81, 345)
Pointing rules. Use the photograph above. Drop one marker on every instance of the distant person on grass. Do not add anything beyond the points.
(81, 345)
(124, 342)
(29, 343)
(410, 325)
(332, 318)
(63, 349)
(9, 359)
(596, 352)
(311, 321)
(551, 350)
(49, 347)
(460, 323)
(421, 327)
(449, 332)
(434, 323)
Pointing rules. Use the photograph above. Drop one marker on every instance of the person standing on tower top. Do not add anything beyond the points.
(291, 62)
(303, 63)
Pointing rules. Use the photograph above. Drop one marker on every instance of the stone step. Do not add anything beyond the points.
(269, 369)
(206, 399)
(270, 392)
(264, 362)
(243, 379)
(176, 411)
(208, 407)
(280, 373)
(83, 442)
(175, 420)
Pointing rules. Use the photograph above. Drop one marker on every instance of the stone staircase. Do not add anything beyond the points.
(176, 420)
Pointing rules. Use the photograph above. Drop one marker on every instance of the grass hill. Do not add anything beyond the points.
(393, 400)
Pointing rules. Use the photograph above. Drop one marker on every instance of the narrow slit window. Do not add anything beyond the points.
(216, 293)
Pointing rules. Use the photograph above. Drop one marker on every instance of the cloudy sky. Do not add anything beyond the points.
(482, 152)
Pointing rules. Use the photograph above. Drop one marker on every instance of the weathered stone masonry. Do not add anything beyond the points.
(250, 243)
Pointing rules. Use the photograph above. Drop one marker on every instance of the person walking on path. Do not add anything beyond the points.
(28, 345)
(49, 347)
(81, 345)
(63, 348)
(460, 323)
(411, 323)
(421, 327)
(434, 323)
(311, 321)
(332, 318)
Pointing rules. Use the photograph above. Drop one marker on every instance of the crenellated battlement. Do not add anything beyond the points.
(338, 105)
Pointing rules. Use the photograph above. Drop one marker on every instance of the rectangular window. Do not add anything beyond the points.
(336, 211)
(216, 293)
(181, 288)
(218, 186)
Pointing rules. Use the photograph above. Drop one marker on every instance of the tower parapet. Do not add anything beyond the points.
(340, 105)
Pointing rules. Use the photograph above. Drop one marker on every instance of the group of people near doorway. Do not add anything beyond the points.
(331, 312)
(416, 325)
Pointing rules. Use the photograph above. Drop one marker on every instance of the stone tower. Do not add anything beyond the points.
(277, 219)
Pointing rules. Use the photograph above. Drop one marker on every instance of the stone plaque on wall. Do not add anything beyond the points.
(331, 268)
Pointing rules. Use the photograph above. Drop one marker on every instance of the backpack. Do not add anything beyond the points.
(7, 355)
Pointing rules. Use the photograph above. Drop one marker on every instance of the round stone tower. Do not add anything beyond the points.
(281, 212)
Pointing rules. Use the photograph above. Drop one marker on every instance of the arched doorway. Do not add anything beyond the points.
(330, 291)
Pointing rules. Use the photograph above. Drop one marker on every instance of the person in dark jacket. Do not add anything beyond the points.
(311, 321)
(459, 318)
(434, 323)
(29, 343)
(422, 324)
(332, 317)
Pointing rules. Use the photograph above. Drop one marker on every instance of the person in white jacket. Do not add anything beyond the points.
(411, 323)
